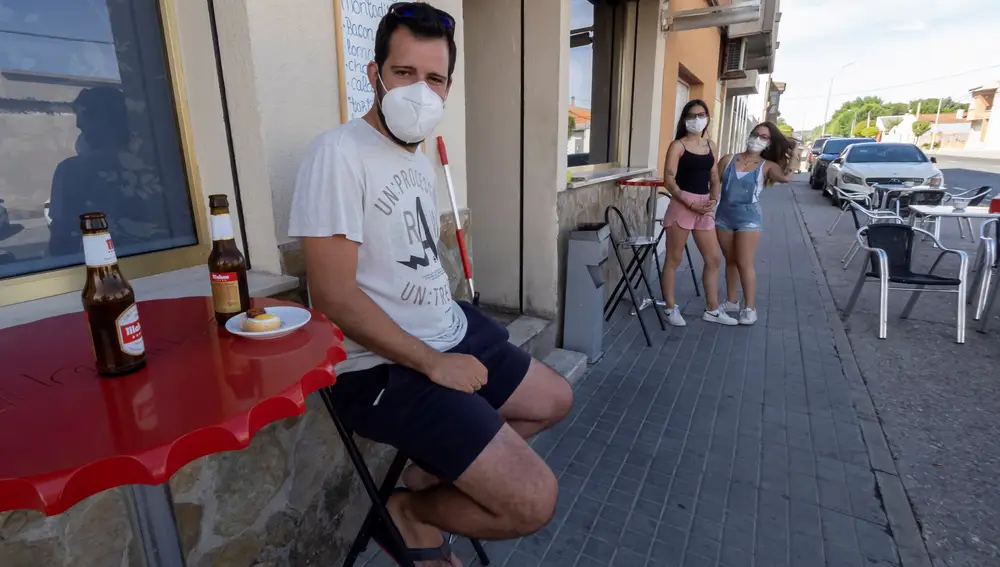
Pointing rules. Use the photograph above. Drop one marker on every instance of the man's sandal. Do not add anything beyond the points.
(381, 537)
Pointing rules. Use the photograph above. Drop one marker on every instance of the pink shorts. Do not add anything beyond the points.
(684, 217)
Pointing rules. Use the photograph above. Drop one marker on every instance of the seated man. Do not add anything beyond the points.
(435, 379)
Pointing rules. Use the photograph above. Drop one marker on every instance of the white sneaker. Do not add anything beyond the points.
(748, 316)
(719, 316)
(674, 317)
(730, 306)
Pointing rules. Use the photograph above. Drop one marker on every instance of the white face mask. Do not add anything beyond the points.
(757, 145)
(412, 111)
(695, 125)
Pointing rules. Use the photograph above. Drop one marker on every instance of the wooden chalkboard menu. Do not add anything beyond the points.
(356, 22)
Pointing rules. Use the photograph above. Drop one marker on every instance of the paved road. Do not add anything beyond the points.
(970, 173)
(718, 446)
(937, 400)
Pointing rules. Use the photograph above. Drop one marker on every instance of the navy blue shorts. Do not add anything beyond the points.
(440, 429)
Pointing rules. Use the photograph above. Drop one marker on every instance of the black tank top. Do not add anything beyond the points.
(694, 171)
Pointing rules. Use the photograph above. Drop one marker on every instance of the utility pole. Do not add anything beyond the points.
(854, 117)
(918, 118)
(829, 93)
(868, 121)
(937, 120)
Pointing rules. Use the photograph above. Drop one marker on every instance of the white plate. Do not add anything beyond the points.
(292, 318)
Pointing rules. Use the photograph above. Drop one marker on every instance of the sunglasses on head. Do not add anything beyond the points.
(406, 10)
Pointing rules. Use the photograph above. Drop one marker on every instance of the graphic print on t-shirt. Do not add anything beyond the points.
(415, 230)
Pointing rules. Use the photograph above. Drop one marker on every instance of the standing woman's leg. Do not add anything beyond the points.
(745, 243)
(676, 237)
(708, 246)
(726, 242)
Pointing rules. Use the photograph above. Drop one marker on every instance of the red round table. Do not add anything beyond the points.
(67, 434)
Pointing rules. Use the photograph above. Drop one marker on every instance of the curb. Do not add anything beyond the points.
(902, 522)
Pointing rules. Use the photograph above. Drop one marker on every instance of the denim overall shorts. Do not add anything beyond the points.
(739, 204)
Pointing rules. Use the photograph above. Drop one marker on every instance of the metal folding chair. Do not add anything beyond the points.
(378, 495)
(890, 260)
(660, 236)
(640, 247)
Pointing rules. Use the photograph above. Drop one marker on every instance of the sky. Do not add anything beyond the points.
(900, 50)
(581, 60)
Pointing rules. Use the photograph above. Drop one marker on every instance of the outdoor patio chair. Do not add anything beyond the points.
(976, 199)
(985, 266)
(900, 203)
(864, 215)
(378, 495)
(843, 198)
(890, 260)
(640, 246)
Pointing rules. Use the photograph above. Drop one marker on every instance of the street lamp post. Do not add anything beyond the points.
(829, 93)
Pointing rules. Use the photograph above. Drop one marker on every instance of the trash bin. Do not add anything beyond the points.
(583, 314)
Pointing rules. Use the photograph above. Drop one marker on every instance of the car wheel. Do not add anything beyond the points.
(834, 199)
(815, 183)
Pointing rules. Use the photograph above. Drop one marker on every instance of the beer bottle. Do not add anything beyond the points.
(227, 267)
(109, 303)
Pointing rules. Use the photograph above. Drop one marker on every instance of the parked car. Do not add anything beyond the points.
(4, 217)
(817, 145)
(832, 148)
(863, 165)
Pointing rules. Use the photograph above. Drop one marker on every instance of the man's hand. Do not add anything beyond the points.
(460, 372)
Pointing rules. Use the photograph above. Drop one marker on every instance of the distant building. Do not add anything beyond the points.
(981, 137)
(948, 130)
(579, 135)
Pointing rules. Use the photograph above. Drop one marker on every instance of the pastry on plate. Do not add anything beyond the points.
(258, 320)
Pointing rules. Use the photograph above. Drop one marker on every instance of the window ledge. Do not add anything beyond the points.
(605, 175)
(178, 283)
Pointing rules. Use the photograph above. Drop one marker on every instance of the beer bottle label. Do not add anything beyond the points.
(130, 332)
(98, 250)
(226, 292)
(222, 227)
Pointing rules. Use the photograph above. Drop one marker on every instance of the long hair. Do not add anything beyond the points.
(780, 150)
(681, 128)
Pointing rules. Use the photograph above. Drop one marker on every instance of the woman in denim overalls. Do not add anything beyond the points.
(739, 219)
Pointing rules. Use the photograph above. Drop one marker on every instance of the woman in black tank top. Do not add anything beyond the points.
(691, 178)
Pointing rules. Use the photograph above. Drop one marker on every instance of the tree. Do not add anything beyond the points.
(929, 105)
(785, 127)
(866, 131)
(572, 125)
(920, 128)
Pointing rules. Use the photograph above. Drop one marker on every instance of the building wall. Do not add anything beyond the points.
(493, 146)
(692, 56)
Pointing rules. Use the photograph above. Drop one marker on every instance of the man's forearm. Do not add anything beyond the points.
(367, 324)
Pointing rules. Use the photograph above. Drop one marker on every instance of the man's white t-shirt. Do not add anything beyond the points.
(358, 183)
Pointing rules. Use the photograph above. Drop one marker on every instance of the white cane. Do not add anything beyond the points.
(459, 234)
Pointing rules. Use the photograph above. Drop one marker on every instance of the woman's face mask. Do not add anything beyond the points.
(696, 125)
(757, 144)
(411, 112)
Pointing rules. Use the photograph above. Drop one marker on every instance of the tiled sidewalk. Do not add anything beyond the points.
(718, 446)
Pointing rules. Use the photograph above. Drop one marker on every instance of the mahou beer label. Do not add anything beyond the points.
(226, 291)
(98, 250)
(222, 227)
(130, 332)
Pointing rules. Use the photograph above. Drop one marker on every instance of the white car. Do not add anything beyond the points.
(862, 165)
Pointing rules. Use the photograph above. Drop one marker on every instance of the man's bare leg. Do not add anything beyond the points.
(541, 400)
(507, 492)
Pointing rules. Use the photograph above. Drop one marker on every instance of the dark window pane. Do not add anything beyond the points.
(88, 123)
